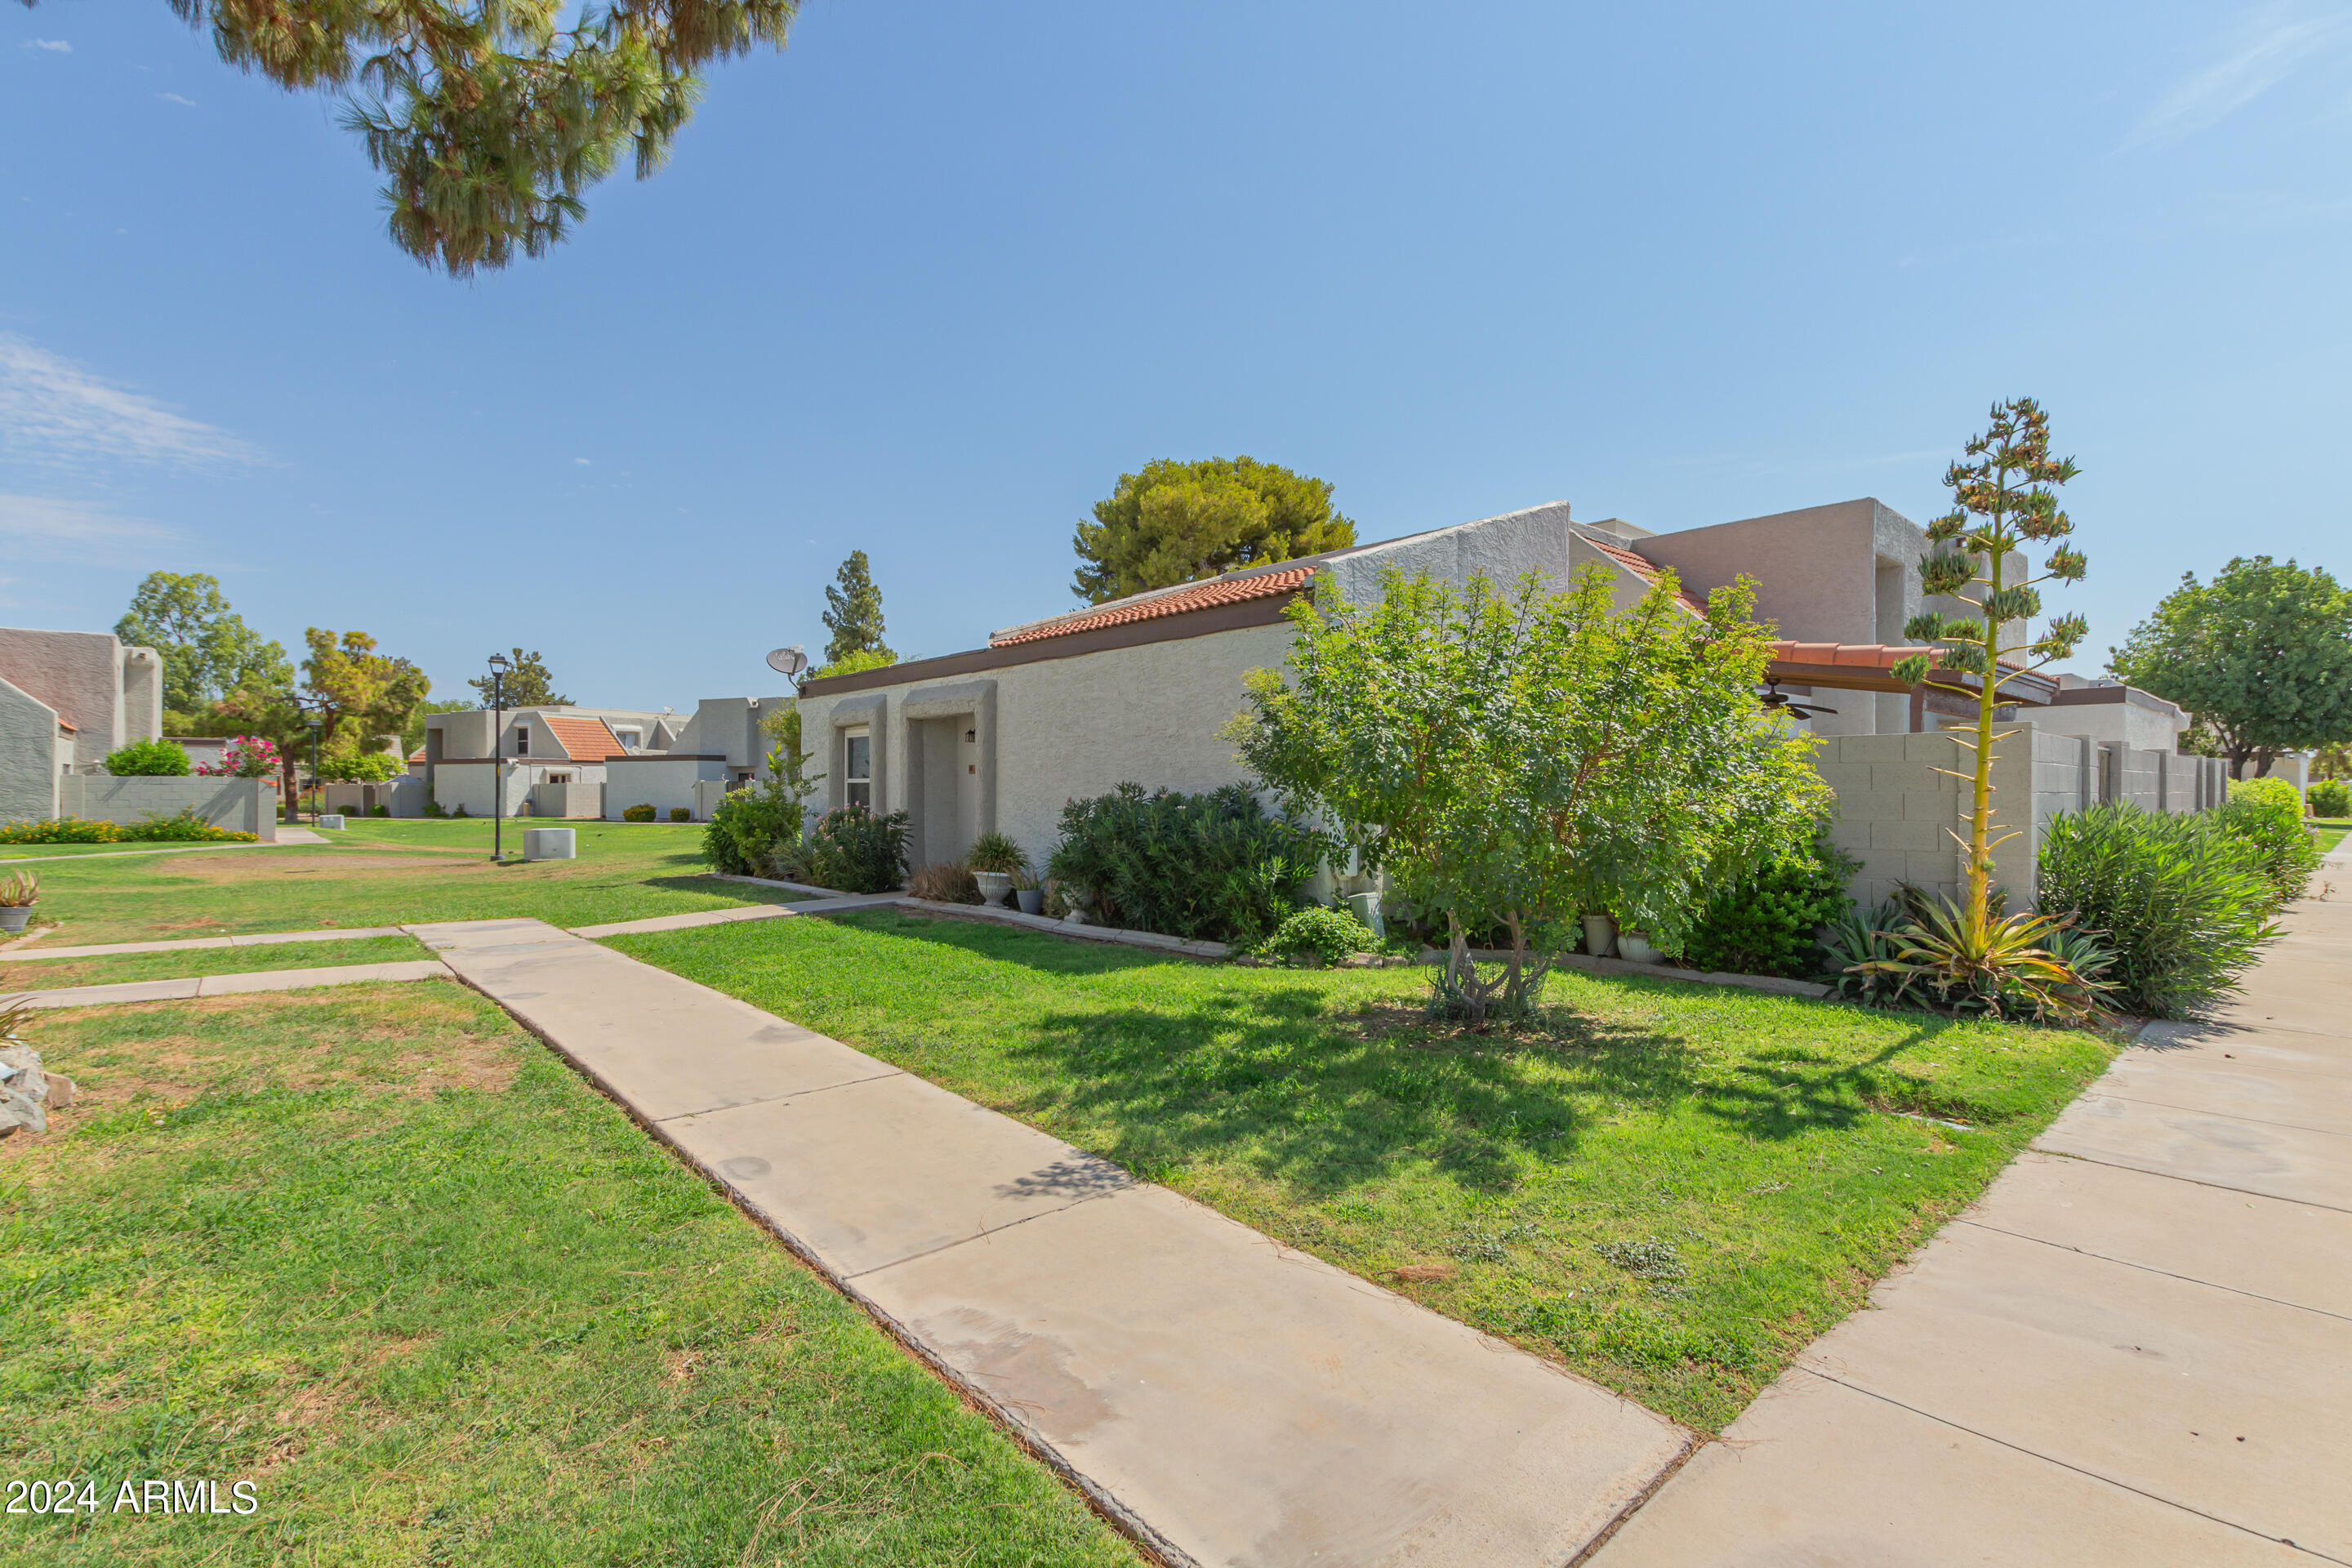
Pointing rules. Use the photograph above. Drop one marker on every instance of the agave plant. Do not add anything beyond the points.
(1969, 961)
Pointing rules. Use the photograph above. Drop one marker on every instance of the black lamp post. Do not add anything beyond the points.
(498, 667)
(312, 713)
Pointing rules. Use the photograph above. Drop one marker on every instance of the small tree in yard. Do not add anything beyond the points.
(1520, 758)
(752, 822)
(2263, 656)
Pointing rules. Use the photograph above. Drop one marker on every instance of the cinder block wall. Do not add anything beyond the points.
(1907, 822)
(240, 806)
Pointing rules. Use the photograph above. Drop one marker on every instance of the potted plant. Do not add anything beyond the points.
(1600, 936)
(994, 859)
(1027, 893)
(18, 894)
(1634, 947)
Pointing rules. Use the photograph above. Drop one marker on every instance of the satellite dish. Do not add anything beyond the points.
(789, 660)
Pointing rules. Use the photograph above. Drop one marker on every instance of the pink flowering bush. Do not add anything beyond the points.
(245, 757)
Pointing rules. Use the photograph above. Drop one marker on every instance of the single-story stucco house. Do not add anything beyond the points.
(1140, 689)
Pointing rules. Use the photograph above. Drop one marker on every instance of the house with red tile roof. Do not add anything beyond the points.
(1142, 687)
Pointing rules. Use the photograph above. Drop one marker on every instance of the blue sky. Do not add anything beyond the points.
(926, 282)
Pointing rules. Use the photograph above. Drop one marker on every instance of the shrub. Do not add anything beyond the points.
(61, 830)
(1323, 936)
(2330, 797)
(1195, 866)
(681, 814)
(946, 882)
(147, 759)
(1767, 922)
(853, 851)
(995, 852)
(639, 812)
(2180, 899)
(245, 757)
(19, 891)
(379, 811)
(374, 767)
(185, 828)
(2268, 814)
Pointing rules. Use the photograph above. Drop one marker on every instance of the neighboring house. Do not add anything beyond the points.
(67, 700)
(556, 759)
(1141, 689)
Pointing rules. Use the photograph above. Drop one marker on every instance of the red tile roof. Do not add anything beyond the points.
(1226, 590)
(1642, 566)
(584, 739)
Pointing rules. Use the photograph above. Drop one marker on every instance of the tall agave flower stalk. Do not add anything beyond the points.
(2006, 496)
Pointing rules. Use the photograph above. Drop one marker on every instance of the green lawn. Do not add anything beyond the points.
(381, 1255)
(2328, 831)
(1672, 1188)
(386, 873)
(20, 973)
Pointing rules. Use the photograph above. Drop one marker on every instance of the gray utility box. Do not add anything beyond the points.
(550, 844)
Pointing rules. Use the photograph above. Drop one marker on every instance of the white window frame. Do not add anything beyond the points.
(857, 787)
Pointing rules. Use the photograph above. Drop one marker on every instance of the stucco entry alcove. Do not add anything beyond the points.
(950, 790)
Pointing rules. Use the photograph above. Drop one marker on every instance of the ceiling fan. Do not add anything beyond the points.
(1773, 697)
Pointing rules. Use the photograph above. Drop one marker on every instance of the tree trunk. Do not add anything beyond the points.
(286, 777)
(2264, 757)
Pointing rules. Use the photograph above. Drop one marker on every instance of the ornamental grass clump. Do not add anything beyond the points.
(851, 851)
(2181, 901)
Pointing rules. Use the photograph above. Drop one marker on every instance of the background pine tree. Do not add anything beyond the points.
(854, 615)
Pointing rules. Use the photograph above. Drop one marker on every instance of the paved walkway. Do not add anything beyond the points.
(2136, 1349)
(1232, 1401)
(186, 986)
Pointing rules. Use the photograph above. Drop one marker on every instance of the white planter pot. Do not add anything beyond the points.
(1600, 936)
(993, 886)
(1634, 948)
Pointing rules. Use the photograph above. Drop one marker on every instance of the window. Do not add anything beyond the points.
(523, 742)
(631, 740)
(857, 768)
(558, 778)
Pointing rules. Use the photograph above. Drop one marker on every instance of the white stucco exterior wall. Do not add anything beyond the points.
(29, 749)
(1063, 729)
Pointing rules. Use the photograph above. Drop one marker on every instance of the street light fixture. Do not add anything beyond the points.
(313, 714)
(499, 664)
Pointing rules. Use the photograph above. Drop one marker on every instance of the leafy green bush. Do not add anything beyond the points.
(2268, 814)
(640, 813)
(1195, 866)
(2330, 797)
(746, 827)
(2181, 901)
(61, 830)
(681, 814)
(147, 759)
(1323, 935)
(372, 768)
(1766, 923)
(852, 851)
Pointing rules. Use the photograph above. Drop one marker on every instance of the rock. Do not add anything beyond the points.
(20, 1110)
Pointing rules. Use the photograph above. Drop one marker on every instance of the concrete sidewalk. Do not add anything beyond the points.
(1229, 1400)
(184, 987)
(2137, 1349)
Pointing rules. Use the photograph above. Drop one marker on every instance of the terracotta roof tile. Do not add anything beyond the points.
(1227, 590)
(1642, 566)
(584, 739)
